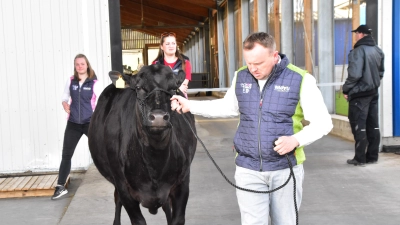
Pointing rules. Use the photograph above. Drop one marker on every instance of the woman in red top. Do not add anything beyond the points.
(169, 55)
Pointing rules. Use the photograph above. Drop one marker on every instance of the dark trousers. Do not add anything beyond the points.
(364, 121)
(72, 135)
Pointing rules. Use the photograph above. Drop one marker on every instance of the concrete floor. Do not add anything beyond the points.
(38, 210)
(334, 193)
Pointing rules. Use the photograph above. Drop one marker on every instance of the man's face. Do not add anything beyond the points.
(359, 35)
(260, 61)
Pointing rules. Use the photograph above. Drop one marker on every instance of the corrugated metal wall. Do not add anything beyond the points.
(38, 42)
(136, 40)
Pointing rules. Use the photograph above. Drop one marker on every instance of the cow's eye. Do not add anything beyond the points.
(138, 88)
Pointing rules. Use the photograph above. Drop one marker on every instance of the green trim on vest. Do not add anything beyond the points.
(298, 116)
(241, 68)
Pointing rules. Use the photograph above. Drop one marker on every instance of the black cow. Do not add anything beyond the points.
(142, 147)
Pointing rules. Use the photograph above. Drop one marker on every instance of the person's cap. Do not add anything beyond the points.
(363, 29)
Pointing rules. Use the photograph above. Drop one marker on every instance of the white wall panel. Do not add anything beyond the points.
(38, 42)
(385, 26)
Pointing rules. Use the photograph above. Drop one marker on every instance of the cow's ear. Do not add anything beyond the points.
(119, 80)
(114, 75)
(133, 81)
(180, 77)
(127, 79)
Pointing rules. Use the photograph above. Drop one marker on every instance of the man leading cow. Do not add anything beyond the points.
(271, 96)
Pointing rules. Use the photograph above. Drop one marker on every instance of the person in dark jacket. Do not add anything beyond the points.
(271, 97)
(79, 99)
(365, 71)
(169, 55)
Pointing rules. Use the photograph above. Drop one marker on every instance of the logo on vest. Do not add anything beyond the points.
(282, 88)
(75, 87)
(246, 87)
(87, 88)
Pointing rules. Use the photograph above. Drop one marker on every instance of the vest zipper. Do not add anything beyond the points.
(259, 115)
(79, 97)
(79, 105)
(259, 139)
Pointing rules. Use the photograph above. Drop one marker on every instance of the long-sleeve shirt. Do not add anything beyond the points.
(311, 102)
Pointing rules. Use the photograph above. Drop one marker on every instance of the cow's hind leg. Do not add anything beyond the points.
(179, 197)
(167, 210)
(118, 207)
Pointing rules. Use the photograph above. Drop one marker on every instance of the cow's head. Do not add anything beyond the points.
(154, 85)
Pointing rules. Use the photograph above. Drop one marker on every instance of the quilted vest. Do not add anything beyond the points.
(177, 66)
(266, 116)
(83, 100)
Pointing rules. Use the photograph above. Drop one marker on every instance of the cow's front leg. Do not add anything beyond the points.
(167, 210)
(179, 198)
(131, 206)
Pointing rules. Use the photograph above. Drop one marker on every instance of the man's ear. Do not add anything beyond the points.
(276, 56)
(180, 77)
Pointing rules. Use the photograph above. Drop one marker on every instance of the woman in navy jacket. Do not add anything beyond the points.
(79, 99)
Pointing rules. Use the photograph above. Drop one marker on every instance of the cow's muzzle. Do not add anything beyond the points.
(158, 119)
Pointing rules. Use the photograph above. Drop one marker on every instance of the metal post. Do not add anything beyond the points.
(221, 49)
(245, 21)
(198, 52)
(396, 68)
(372, 17)
(287, 28)
(201, 51)
(207, 50)
(231, 41)
(262, 16)
(115, 35)
(192, 54)
(326, 52)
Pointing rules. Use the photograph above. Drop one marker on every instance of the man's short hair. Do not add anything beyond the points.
(261, 38)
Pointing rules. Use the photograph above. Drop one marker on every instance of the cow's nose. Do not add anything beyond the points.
(159, 118)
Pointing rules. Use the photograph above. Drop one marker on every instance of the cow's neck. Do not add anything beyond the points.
(158, 163)
(158, 142)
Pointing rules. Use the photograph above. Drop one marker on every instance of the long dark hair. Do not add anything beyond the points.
(90, 71)
(178, 54)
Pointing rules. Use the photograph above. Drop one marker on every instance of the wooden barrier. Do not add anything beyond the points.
(28, 186)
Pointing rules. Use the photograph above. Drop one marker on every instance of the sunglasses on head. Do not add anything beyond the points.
(166, 34)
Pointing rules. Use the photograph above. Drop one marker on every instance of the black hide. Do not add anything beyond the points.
(142, 147)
